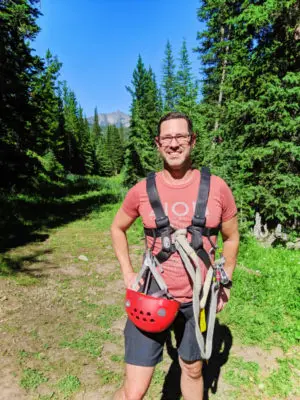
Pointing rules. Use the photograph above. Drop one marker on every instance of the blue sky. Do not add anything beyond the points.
(98, 42)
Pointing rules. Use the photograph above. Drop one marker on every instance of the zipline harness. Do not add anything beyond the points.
(155, 312)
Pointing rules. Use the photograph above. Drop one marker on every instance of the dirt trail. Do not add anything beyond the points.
(50, 329)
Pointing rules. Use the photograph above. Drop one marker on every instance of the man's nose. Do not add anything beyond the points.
(174, 142)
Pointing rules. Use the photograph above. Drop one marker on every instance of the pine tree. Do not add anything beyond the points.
(169, 80)
(45, 98)
(151, 104)
(186, 86)
(85, 146)
(59, 146)
(71, 117)
(17, 68)
(104, 162)
(96, 129)
(115, 148)
(140, 155)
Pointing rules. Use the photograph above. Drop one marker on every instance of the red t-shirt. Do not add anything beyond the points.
(179, 203)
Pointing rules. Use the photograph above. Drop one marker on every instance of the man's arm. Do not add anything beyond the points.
(230, 235)
(118, 229)
(231, 238)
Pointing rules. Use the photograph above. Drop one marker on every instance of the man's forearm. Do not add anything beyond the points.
(230, 251)
(120, 246)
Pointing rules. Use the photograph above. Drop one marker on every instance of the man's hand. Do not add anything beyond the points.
(129, 279)
(223, 297)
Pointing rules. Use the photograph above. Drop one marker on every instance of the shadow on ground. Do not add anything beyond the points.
(11, 265)
(21, 222)
(211, 371)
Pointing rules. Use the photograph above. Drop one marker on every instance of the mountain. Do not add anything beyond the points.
(117, 118)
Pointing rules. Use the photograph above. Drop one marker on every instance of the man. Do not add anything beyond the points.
(177, 185)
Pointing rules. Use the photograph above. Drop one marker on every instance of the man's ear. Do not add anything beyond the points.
(157, 141)
(193, 140)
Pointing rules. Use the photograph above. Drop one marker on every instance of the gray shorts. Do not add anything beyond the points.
(146, 349)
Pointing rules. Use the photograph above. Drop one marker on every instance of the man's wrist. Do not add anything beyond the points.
(228, 284)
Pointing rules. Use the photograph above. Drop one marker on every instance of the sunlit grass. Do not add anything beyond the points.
(264, 305)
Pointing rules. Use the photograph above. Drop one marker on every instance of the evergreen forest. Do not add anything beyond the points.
(244, 106)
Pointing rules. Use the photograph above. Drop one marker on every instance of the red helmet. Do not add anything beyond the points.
(150, 313)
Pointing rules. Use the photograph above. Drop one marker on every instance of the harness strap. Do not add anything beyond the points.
(150, 263)
(162, 221)
(200, 209)
(199, 220)
(207, 232)
(187, 253)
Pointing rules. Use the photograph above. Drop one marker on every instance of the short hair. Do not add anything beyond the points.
(175, 115)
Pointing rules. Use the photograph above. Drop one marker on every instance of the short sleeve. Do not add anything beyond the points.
(229, 209)
(131, 203)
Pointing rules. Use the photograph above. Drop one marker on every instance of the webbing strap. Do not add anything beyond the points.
(200, 209)
(205, 232)
(162, 220)
(186, 253)
(150, 263)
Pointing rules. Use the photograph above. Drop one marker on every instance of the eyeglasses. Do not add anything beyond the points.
(181, 138)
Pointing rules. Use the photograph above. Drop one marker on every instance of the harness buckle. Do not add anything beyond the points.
(162, 222)
(166, 241)
(198, 222)
(197, 241)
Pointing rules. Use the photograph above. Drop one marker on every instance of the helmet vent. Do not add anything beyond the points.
(162, 312)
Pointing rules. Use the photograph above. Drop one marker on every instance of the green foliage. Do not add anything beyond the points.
(240, 373)
(251, 93)
(69, 385)
(51, 165)
(115, 148)
(44, 133)
(45, 99)
(264, 305)
(17, 70)
(279, 382)
(91, 342)
(109, 313)
(169, 80)
(140, 154)
(32, 378)
(186, 87)
(109, 377)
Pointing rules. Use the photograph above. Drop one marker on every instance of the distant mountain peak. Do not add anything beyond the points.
(117, 118)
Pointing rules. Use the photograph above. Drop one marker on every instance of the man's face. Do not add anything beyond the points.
(174, 142)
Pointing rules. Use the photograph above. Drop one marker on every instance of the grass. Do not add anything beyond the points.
(279, 381)
(31, 378)
(91, 342)
(108, 377)
(108, 314)
(264, 307)
(68, 385)
(241, 373)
